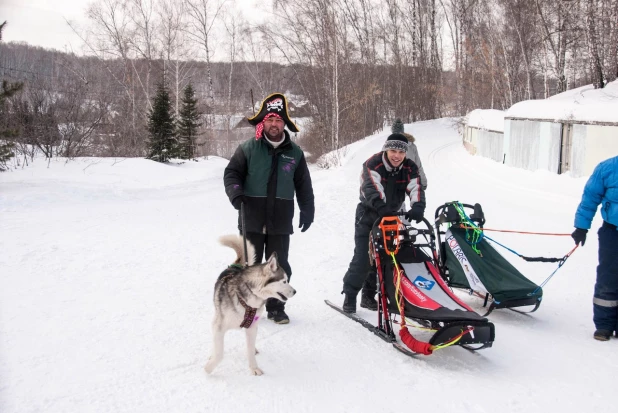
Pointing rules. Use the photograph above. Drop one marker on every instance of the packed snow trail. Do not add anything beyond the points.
(107, 275)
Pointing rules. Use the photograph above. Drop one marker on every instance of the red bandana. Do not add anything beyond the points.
(260, 126)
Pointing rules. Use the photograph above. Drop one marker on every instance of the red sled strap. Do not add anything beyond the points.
(413, 344)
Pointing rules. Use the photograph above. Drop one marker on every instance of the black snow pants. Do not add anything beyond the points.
(265, 245)
(360, 274)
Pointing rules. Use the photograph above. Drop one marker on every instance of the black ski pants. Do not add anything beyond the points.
(265, 245)
(360, 274)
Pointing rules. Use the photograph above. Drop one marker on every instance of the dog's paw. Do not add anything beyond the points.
(209, 367)
(256, 371)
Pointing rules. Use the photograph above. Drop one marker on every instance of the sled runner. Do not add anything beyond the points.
(410, 289)
(466, 260)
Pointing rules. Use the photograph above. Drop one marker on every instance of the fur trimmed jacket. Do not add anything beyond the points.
(413, 155)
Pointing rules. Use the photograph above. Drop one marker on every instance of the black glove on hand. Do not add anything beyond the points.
(416, 214)
(239, 200)
(304, 225)
(579, 236)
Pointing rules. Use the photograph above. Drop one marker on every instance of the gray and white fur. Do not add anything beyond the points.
(253, 284)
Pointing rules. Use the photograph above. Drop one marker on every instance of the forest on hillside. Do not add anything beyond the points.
(349, 66)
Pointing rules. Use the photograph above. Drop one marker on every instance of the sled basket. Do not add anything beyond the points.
(473, 264)
(411, 286)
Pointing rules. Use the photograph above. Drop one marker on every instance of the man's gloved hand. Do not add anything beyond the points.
(304, 225)
(579, 236)
(416, 214)
(239, 200)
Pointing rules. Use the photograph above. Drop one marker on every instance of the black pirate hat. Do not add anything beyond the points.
(275, 103)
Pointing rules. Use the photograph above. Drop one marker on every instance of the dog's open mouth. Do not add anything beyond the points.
(283, 297)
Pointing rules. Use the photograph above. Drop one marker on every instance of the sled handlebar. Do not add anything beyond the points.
(416, 231)
(447, 214)
(408, 228)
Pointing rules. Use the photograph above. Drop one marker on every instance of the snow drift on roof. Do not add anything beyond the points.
(583, 105)
(489, 119)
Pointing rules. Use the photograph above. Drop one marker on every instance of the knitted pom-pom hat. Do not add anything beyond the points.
(397, 126)
(397, 142)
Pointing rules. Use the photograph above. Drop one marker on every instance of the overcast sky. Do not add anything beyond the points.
(42, 22)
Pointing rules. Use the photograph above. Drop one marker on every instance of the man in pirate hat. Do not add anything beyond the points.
(263, 175)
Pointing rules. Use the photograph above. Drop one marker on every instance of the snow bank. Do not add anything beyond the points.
(133, 172)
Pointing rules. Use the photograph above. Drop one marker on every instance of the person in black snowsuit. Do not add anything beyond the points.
(386, 179)
(264, 174)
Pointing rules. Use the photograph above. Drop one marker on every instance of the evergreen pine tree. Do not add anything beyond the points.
(163, 144)
(188, 124)
(8, 90)
(397, 126)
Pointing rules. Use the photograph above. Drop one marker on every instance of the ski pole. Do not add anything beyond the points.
(244, 235)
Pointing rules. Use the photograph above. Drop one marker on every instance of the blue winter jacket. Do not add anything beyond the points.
(601, 188)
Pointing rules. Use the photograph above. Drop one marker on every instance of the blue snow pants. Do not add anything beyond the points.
(605, 302)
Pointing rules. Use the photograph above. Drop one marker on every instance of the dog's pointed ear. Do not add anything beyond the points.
(273, 264)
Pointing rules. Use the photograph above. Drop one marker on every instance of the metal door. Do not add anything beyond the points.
(566, 145)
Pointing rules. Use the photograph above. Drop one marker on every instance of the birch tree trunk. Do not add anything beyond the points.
(203, 14)
(231, 25)
(596, 65)
(613, 54)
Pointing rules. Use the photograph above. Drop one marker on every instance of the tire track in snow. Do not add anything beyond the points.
(466, 164)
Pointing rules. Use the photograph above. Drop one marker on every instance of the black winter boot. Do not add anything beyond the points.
(349, 303)
(278, 316)
(368, 301)
(602, 335)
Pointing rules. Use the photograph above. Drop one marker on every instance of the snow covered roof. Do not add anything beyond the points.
(581, 105)
(488, 119)
(219, 122)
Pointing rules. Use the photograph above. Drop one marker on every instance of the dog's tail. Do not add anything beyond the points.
(235, 242)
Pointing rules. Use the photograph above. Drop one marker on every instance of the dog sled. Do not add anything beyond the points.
(467, 261)
(412, 294)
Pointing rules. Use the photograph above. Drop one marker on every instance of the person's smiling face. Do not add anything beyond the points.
(273, 127)
(395, 157)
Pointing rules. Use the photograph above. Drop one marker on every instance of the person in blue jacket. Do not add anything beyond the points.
(602, 188)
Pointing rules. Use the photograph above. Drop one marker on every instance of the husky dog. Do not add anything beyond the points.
(240, 294)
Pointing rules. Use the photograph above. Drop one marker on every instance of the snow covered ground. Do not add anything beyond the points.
(107, 270)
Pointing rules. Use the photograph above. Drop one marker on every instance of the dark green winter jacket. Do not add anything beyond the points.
(269, 177)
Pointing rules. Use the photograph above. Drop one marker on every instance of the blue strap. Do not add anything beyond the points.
(503, 246)
(560, 264)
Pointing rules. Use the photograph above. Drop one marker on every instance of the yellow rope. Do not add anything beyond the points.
(398, 287)
(441, 346)
(418, 327)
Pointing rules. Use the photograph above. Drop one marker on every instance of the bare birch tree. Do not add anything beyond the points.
(203, 15)
(592, 37)
(176, 51)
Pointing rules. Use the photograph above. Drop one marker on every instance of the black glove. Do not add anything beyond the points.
(304, 225)
(579, 236)
(239, 200)
(416, 214)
